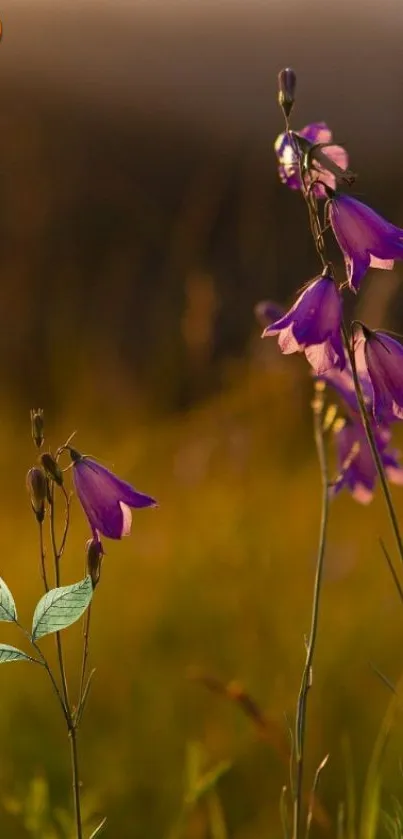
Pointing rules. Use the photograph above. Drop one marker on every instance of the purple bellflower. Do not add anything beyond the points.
(384, 360)
(357, 469)
(106, 499)
(312, 326)
(329, 165)
(365, 238)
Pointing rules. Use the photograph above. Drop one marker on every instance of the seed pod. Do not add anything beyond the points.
(287, 82)
(37, 426)
(52, 468)
(37, 488)
(95, 553)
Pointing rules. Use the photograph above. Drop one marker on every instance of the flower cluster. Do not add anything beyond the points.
(310, 161)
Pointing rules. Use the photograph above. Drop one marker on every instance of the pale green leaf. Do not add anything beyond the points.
(100, 829)
(61, 607)
(8, 653)
(8, 611)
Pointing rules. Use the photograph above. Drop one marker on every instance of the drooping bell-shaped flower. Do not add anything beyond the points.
(384, 360)
(356, 464)
(313, 143)
(105, 498)
(312, 326)
(365, 238)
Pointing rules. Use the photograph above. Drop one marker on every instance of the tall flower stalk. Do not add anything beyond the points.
(310, 163)
(106, 501)
(300, 721)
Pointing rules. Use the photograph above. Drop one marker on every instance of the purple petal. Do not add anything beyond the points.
(384, 358)
(323, 357)
(115, 488)
(287, 342)
(316, 132)
(105, 498)
(364, 237)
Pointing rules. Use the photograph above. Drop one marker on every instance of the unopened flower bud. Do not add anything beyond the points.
(52, 468)
(37, 426)
(287, 81)
(95, 553)
(37, 488)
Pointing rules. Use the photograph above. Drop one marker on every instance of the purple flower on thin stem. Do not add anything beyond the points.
(365, 238)
(106, 499)
(384, 360)
(313, 326)
(328, 165)
(357, 469)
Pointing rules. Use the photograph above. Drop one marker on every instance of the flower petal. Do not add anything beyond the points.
(322, 357)
(127, 519)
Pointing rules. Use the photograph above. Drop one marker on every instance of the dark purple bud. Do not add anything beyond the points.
(52, 468)
(37, 426)
(287, 82)
(95, 553)
(37, 488)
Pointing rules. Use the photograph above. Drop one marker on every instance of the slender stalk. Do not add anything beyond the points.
(56, 557)
(71, 726)
(45, 664)
(76, 780)
(366, 421)
(42, 556)
(86, 633)
(300, 723)
(392, 570)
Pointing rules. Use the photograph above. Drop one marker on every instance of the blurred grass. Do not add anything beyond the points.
(219, 577)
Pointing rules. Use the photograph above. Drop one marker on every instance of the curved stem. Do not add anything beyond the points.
(366, 421)
(300, 723)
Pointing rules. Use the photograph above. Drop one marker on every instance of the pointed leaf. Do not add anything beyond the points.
(8, 653)
(61, 607)
(8, 611)
(100, 829)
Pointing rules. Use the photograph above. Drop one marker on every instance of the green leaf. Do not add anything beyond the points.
(8, 611)
(98, 830)
(8, 653)
(61, 607)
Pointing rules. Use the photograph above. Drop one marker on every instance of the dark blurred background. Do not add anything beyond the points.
(141, 219)
(141, 213)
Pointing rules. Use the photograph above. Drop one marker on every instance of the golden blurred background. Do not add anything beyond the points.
(141, 219)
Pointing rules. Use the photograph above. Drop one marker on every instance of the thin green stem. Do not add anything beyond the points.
(300, 723)
(56, 558)
(87, 624)
(366, 421)
(76, 780)
(71, 726)
(43, 557)
(45, 664)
